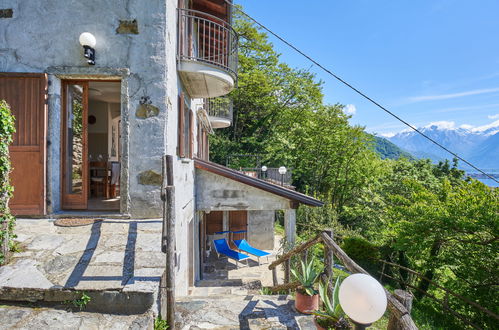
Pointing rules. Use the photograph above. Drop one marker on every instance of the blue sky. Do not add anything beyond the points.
(426, 60)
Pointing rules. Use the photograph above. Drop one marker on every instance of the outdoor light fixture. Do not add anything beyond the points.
(282, 170)
(363, 299)
(87, 40)
(263, 172)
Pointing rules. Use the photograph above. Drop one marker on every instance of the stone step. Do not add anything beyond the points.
(240, 312)
(23, 317)
(101, 301)
(117, 263)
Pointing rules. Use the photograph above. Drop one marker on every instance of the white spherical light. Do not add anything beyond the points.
(87, 39)
(282, 170)
(362, 298)
(264, 168)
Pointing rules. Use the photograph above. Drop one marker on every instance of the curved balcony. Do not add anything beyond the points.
(219, 111)
(206, 53)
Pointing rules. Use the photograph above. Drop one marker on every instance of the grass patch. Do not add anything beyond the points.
(160, 324)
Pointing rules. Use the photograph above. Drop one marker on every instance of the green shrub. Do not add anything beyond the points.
(363, 252)
(7, 221)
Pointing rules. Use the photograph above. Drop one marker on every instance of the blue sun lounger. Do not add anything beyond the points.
(222, 247)
(244, 246)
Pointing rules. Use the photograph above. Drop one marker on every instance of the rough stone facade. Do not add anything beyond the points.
(136, 44)
(144, 62)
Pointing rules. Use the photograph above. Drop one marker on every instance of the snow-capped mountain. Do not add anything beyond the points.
(479, 145)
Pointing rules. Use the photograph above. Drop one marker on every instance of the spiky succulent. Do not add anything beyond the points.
(307, 277)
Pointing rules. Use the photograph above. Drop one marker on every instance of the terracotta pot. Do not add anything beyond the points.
(306, 304)
(317, 325)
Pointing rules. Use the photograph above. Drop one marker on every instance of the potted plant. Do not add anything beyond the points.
(331, 317)
(307, 298)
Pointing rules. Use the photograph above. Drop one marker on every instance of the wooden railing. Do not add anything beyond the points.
(443, 302)
(400, 315)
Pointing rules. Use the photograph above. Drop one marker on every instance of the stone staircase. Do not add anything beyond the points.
(230, 297)
(238, 311)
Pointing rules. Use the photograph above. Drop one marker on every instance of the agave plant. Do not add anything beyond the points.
(307, 277)
(332, 315)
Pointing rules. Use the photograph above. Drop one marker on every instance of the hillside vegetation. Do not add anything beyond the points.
(427, 217)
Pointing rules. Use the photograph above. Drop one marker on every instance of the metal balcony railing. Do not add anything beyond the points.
(219, 107)
(271, 174)
(207, 38)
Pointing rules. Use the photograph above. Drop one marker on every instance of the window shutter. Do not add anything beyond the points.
(191, 134)
(181, 145)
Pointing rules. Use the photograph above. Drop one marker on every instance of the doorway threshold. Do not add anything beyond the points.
(89, 214)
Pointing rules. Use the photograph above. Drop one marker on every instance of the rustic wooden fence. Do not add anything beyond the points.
(443, 302)
(398, 304)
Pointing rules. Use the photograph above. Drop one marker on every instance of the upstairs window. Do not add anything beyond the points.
(203, 143)
(185, 128)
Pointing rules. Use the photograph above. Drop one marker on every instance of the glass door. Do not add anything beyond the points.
(74, 145)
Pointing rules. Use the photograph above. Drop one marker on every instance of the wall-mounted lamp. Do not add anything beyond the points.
(87, 40)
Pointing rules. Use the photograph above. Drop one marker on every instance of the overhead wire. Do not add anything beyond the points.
(360, 92)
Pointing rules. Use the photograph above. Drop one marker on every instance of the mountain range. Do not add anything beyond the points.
(478, 145)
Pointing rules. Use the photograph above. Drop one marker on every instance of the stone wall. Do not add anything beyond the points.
(261, 229)
(218, 193)
(135, 43)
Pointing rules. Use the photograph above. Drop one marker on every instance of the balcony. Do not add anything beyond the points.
(206, 54)
(271, 175)
(219, 111)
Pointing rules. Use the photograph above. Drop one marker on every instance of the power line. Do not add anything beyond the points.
(360, 92)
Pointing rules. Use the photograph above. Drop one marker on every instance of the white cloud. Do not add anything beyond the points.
(443, 124)
(387, 135)
(350, 109)
(452, 96)
(496, 116)
(466, 126)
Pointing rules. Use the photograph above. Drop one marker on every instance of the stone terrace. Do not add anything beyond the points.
(118, 263)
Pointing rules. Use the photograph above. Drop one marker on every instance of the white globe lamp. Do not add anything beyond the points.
(363, 299)
(282, 170)
(87, 39)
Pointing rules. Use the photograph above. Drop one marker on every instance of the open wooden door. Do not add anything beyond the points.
(26, 93)
(74, 145)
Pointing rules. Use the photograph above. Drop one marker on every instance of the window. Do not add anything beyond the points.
(203, 143)
(185, 128)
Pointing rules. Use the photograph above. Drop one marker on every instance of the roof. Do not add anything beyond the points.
(257, 183)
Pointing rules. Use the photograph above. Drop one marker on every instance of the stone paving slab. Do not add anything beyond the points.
(112, 255)
(15, 317)
(240, 312)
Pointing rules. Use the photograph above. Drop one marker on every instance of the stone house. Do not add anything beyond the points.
(93, 122)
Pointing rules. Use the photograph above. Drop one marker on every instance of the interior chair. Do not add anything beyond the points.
(99, 178)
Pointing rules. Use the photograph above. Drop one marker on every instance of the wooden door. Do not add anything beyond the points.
(74, 145)
(26, 93)
(214, 222)
(238, 221)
